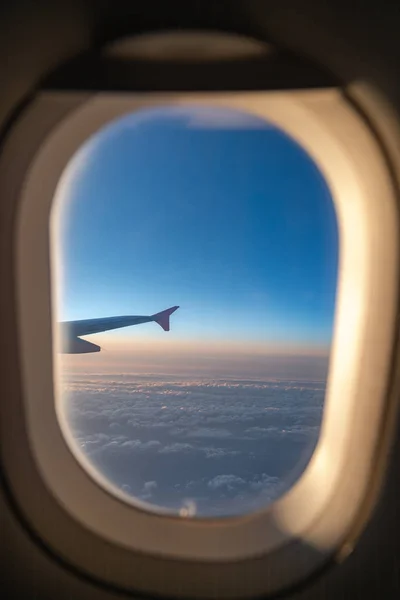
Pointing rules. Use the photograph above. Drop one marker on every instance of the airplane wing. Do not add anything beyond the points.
(71, 331)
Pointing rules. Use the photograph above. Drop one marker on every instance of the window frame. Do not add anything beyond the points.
(314, 517)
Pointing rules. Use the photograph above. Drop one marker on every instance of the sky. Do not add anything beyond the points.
(211, 209)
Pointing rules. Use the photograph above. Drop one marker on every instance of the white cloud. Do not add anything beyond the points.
(149, 487)
(226, 481)
(264, 482)
(139, 445)
(212, 452)
(176, 447)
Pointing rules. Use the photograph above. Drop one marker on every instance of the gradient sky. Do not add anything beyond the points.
(213, 210)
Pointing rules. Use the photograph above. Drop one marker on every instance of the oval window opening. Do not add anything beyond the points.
(212, 409)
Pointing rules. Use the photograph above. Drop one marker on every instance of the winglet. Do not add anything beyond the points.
(162, 318)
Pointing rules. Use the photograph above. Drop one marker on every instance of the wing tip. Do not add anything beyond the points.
(162, 318)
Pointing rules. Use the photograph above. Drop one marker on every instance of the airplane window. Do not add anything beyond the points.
(196, 267)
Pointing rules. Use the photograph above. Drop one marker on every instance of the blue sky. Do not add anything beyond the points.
(211, 209)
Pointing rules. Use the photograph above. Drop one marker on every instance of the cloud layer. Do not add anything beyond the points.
(198, 446)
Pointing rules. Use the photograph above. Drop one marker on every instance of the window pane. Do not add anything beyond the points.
(222, 214)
